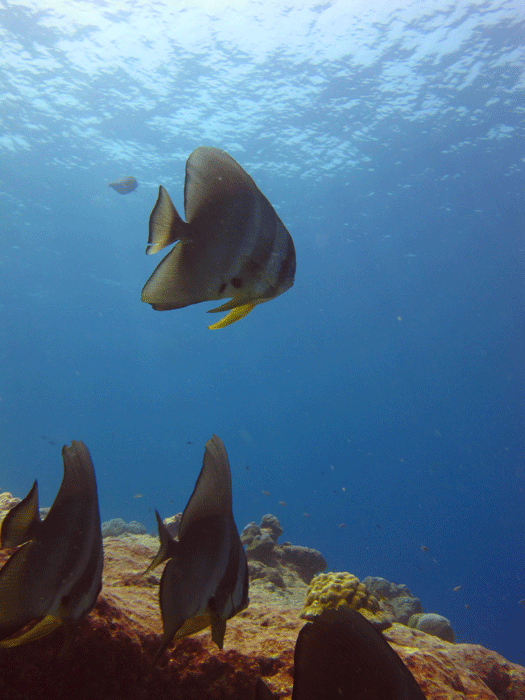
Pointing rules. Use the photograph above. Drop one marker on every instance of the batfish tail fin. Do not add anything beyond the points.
(165, 224)
(167, 545)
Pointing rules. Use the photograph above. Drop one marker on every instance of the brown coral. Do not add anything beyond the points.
(335, 589)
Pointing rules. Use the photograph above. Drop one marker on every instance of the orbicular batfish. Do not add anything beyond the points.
(233, 245)
(55, 577)
(342, 656)
(205, 581)
(124, 185)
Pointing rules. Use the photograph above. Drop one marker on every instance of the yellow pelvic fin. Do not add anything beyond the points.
(41, 629)
(234, 315)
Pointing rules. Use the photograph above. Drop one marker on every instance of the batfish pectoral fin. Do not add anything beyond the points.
(165, 224)
(47, 625)
(167, 548)
(235, 315)
(218, 624)
(21, 522)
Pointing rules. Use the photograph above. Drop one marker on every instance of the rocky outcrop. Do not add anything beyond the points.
(109, 654)
(117, 527)
(261, 546)
(394, 598)
(434, 624)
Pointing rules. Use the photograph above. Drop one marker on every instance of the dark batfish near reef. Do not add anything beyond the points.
(233, 246)
(205, 581)
(57, 572)
(341, 656)
(124, 185)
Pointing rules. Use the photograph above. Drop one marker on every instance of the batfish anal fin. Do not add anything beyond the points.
(234, 315)
(218, 624)
(165, 224)
(47, 625)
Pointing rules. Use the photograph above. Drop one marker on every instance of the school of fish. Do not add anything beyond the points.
(233, 245)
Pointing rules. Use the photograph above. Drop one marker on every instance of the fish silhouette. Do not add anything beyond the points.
(233, 245)
(124, 185)
(205, 581)
(342, 656)
(56, 575)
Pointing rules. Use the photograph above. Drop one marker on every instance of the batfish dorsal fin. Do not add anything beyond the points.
(79, 475)
(212, 494)
(212, 175)
(22, 521)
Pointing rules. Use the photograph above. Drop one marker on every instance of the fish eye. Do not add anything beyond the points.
(236, 282)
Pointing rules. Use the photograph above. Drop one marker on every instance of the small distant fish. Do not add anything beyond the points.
(456, 589)
(282, 503)
(233, 246)
(189, 442)
(342, 655)
(205, 581)
(342, 525)
(306, 515)
(521, 602)
(125, 185)
(56, 575)
(266, 493)
(137, 495)
(424, 548)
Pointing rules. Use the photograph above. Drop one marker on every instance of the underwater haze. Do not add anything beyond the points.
(376, 408)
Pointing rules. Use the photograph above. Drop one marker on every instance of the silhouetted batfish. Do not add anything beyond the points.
(341, 656)
(55, 577)
(234, 244)
(205, 581)
(124, 185)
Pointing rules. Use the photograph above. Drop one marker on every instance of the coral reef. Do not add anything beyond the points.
(109, 654)
(117, 527)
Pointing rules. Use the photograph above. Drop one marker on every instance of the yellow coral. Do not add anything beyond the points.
(335, 589)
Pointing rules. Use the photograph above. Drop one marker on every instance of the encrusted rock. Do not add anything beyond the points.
(382, 588)
(307, 562)
(7, 501)
(258, 570)
(271, 524)
(117, 527)
(261, 548)
(173, 524)
(394, 597)
(433, 624)
(249, 533)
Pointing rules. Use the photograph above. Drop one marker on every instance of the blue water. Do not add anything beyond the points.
(385, 389)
